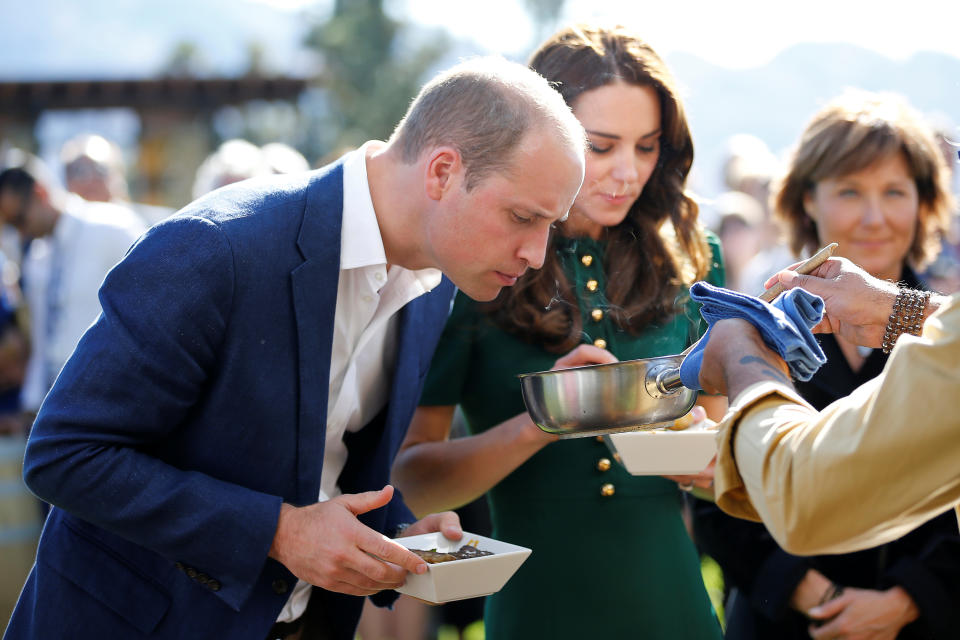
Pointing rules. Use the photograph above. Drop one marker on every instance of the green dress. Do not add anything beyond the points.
(603, 566)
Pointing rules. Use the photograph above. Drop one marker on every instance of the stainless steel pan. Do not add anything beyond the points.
(645, 393)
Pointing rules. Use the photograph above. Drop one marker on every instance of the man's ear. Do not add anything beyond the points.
(444, 172)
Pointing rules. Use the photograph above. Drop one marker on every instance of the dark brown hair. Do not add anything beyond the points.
(652, 258)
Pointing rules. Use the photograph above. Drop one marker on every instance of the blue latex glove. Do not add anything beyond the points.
(785, 326)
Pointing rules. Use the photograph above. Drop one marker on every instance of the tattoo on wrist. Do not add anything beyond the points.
(768, 368)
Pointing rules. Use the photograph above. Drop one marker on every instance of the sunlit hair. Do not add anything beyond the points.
(850, 134)
(646, 270)
(484, 107)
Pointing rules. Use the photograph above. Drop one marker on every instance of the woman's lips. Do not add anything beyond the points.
(617, 199)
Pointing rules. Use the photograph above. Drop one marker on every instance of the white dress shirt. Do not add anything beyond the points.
(62, 273)
(369, 295)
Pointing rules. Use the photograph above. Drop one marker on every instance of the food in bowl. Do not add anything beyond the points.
(432, 556)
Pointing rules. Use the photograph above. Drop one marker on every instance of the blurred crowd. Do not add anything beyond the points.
(65, 226)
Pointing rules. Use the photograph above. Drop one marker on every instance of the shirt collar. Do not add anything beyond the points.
(361, 244)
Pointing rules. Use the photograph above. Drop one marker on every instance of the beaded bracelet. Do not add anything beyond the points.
(906, 317)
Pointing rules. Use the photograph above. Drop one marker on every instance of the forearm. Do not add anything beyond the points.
(806, 472)
(440, 475)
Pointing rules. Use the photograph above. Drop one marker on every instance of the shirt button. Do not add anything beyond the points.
(368, 299)
(203, 578)
(600, 343)
(213, 585)
(592, 285)
(603, 464)
(587, 260)
(607, 490)
(597, 315)
(191, 573)
(378, 276)
(279, 586)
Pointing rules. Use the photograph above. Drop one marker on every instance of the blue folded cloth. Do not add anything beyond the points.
(785, 325)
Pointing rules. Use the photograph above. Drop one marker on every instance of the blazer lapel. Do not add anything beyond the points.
(314, 300)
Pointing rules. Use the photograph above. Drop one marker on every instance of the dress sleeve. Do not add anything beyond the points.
(450, 364)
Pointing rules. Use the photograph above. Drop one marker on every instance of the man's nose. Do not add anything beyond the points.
(533, 249)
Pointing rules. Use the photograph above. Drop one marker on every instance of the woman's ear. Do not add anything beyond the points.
(809, 207)
(444, 171)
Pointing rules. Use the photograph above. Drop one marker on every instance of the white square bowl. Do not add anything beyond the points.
(664, 452)
(459, 579)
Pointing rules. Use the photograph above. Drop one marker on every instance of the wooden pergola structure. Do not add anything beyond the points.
(175, 117)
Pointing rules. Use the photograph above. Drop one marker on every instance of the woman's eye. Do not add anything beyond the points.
(595, 149)
(649, 149)
(895, 192)
(847, 193)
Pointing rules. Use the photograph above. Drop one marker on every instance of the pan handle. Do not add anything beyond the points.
(667, 381)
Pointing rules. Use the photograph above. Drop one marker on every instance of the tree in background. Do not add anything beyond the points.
(370, 71)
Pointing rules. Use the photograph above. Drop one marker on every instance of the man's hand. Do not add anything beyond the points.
(327, 546)
(857, 305)
(736, 357)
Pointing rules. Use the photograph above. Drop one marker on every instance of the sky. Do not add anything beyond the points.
(46, 39)
(733, 33)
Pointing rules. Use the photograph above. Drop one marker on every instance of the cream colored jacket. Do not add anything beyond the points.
(864, 471)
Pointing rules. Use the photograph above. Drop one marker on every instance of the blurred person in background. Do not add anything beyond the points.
(94, 169)
(738, 220)
(238, 159)
(943, 273)
(282, 158)
(218, 447)
(73, 243)
(750, 167)
(607, 545)
(868, 175)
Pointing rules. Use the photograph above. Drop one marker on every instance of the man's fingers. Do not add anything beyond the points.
(359, 503)
(387, 550)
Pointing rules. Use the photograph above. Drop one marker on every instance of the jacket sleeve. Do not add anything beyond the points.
(133, 380)
(805, 473)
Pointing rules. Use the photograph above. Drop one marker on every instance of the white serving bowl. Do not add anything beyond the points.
(664, 451)
(459, 579)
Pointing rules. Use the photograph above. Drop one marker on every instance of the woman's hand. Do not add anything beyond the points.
(702, 480)
(582, 355)
(865, 614)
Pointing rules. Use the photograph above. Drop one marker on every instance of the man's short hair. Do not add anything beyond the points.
(483, 107)
(17, 181)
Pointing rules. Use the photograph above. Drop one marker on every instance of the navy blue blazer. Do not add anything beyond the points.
(196, 405)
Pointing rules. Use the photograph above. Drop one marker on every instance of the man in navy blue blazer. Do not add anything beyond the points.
(222, 437)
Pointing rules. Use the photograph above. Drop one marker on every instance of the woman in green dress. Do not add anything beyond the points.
(611, 556)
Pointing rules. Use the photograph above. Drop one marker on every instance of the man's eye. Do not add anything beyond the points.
(518, 218)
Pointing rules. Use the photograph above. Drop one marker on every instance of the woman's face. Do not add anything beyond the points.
(871, 213)
(623, 127)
